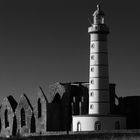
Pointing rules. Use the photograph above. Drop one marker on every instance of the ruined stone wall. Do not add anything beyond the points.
(23, 119)
(40, 111)
(46, 115)
(7, 116)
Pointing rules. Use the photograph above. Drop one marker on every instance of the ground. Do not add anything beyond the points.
(102, 135)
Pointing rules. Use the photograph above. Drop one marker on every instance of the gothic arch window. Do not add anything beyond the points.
(6, 118)
(39, 108)
(33, 126)
(57, 99)
(14, 127)
(79, 126)
(117, 125)
(97, 125)
(22, 115)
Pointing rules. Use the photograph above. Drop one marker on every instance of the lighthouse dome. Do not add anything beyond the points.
(98, 16)
(98, 12)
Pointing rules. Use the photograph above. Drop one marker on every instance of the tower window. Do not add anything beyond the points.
(91, 106)
(97, 125)
(92, 93)
(92, 82)
(92, 69)
(102, 20)
(96, 27)
(92, 57)
(93, 45)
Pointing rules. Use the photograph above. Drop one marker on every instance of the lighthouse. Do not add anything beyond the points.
(99, 116)
(98, 71)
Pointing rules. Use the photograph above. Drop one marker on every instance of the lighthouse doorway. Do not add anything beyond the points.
(78, 126)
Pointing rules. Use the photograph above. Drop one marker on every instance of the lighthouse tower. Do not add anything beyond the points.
(98, 74)
(99, 116)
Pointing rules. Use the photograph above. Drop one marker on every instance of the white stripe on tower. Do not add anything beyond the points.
(98, 74)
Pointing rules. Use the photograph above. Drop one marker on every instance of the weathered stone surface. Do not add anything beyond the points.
(48, 114)
(56, 88)
(25, 116)
(59, 107)
(8, 118)
(60, 104)
(40, 111)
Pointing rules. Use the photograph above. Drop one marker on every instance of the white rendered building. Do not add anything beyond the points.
(99, 116)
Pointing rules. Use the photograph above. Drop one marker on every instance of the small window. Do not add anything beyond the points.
(93, 46)
(91, 106)
(96, 27)
(6, 118)
(97, 125)
(92, 82)
(92, 93)
(57, 99)
(92, 57)
(117, 125)
(92, 69)
(102, 20)
(79, 126)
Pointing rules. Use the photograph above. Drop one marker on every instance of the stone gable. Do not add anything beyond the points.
(8, 118)
(40, 111)
(48, 114)
(24, 113)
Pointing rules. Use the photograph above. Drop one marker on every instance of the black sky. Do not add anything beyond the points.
(42, 42)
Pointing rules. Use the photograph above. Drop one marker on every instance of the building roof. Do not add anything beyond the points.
(27, 99)
(43, 93)
(56, 88)
(12, 102)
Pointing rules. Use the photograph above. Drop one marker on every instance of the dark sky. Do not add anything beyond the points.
(42, 42)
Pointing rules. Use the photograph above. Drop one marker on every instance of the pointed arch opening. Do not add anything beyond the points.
(33, 126)
(6, 118)
(57, 98)
(39, 108)
(22, 115)
(14, 129)
(79, 126)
